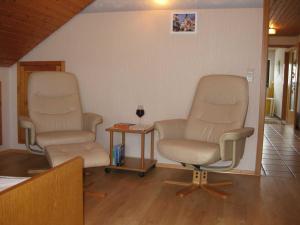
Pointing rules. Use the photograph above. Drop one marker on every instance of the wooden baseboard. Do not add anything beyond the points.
(180, 167)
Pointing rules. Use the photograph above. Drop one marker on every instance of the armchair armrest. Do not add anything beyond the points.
(232, 143)
(237, 134)
(91, 120)
(170, 128)
(26, 122)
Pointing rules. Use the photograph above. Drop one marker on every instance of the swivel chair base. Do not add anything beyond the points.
(200, 182)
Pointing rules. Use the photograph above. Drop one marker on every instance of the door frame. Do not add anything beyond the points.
(294, 47)
(263, 78)
(297, 86)
(285, 85)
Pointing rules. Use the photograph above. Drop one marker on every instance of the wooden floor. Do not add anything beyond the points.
(133, 200)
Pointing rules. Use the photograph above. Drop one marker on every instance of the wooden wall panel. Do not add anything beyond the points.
(24, 24)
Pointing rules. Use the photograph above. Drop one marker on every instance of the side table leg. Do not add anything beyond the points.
(152, 145)
(123, 138)
(142, 150)
(111, 136)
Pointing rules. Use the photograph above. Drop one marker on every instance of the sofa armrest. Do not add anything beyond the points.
(170, 128)
(91, 120)
(26, 123)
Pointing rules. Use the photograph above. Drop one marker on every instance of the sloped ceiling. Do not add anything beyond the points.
(25, 23)
(285, 16)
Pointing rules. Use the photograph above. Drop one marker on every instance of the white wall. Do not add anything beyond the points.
(128, 58)
(4, 78)
(278, 79)
(271, 57)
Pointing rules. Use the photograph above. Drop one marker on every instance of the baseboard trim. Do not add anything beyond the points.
(180, 167)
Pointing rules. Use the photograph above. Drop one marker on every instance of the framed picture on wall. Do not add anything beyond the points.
(184, 22)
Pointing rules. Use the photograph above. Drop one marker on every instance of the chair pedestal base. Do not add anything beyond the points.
(200, 182)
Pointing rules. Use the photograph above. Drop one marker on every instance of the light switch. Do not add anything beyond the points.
(250, 75)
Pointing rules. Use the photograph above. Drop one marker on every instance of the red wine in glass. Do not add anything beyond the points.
(140, 112)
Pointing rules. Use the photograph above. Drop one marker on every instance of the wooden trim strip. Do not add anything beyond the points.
(40, 63)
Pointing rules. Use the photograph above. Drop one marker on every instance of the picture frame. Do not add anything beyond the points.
(184, 22)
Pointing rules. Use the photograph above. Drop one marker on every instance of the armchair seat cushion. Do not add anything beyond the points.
(64, 137)
(189, 151)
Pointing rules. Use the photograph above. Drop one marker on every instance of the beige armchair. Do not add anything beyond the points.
(55, 113)
(213, 133)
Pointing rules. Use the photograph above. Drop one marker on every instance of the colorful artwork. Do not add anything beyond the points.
(184, 22)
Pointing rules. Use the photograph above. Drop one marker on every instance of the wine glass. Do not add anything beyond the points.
(140, 112)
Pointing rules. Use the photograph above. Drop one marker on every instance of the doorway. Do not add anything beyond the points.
(281, 86)
(274, 85)
(279, 135)
(281, 145)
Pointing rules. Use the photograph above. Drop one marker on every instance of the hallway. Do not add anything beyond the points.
(281, 151)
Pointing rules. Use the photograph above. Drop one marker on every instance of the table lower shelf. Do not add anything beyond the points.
(134, 164)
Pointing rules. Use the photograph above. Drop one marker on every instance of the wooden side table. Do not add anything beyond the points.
(141, 165)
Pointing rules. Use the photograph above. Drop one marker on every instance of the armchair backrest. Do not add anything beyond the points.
(54, 101)
(220, 104)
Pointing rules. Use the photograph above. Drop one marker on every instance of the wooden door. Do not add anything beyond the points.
(297, 114)
(24, 71)
(292, 87)
(0, 115)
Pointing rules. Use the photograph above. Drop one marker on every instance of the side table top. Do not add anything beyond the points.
(137, 129)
